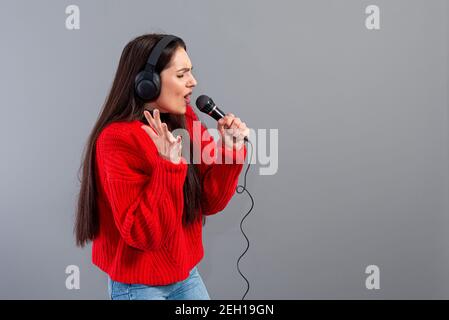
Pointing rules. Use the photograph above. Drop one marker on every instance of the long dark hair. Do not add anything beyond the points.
(123, 105)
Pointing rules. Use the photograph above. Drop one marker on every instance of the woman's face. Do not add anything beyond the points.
(177, 83)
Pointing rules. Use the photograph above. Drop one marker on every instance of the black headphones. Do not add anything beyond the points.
(148, 82)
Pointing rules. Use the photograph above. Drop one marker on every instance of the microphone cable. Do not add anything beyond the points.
(240, 191)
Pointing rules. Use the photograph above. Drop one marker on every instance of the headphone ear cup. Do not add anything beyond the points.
(147, 85)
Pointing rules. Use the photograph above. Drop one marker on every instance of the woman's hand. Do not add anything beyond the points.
(168, 146)
(232, 131)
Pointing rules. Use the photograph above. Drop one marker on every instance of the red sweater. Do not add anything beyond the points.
(140, 204)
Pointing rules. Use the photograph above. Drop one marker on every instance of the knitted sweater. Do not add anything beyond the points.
(140, 203)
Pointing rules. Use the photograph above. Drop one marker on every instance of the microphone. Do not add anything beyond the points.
(207, 105)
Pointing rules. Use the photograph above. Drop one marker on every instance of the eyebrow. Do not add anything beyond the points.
(184, 69)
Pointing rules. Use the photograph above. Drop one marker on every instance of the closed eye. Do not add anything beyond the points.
(185, 70)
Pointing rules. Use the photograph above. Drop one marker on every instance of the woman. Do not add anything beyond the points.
(141, 201)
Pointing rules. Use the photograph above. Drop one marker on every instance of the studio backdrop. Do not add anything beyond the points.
(348, 105)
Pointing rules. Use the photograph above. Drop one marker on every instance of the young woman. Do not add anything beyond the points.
(142, 202)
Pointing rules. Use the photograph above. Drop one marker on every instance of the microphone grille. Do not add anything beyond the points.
(204, 103)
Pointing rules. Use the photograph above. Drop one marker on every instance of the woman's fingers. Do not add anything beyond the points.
(178, 142)
(232, 125)
(226, 121)
(238, 129)
(167, 133)
(232, 130)
(150, 132)
(243, 133)
(236, 123)
(168, 146)
(150, 119)
(179, 145)
(176, 150)
(229, 122)
(157, 120)
(160, 127)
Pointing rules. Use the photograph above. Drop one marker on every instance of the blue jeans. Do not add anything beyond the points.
(191, 288)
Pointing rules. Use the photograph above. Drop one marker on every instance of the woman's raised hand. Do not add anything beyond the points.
(168, 146)
(233, 131)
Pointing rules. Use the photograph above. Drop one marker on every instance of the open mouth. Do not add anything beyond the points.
(187, 98)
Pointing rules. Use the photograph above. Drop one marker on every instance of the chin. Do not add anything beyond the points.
(178, 111)
(183, 109)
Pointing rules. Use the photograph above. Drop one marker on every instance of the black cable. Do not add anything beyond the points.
(243, 188)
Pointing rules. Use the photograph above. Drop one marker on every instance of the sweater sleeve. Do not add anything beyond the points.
(219, 169)
(144, 190)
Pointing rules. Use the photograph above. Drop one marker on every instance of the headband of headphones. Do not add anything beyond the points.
(157, 51)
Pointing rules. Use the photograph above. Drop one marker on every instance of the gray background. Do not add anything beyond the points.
(363, 141)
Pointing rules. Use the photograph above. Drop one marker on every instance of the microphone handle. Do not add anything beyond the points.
(217, 114)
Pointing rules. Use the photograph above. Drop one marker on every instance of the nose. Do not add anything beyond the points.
(192, 82)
